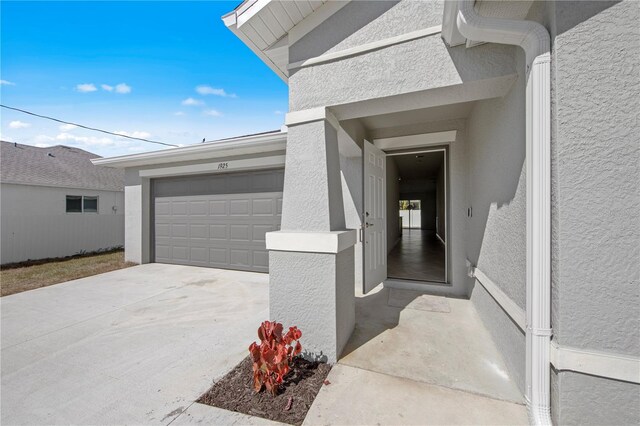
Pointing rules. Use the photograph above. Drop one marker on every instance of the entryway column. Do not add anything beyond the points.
(311, 260)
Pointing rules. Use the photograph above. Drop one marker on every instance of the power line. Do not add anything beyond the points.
(86, 127)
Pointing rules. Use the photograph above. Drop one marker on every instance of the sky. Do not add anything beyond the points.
(166, 71)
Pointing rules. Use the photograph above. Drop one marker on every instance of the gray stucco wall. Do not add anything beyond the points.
(596, 179)
(362, 22)
(35, 224)
(595, 200)
(496, 238)
(497, 189)
(416, 65)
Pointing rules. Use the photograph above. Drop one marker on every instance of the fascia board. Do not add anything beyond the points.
(243, 146)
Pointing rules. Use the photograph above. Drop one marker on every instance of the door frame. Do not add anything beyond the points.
(447, 246)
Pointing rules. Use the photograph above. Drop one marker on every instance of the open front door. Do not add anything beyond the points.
(375, 217)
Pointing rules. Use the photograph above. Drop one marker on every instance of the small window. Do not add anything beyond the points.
(90, 204)
(74, 204)
(82, 204)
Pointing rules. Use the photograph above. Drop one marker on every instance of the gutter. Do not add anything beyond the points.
(534, 39)
(245, 145)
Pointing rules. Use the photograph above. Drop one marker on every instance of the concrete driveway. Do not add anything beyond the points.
(133, 346)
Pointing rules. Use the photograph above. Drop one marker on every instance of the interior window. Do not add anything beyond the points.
(90, 204)
(74, 204)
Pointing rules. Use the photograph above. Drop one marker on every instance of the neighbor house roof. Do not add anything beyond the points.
(59, 166)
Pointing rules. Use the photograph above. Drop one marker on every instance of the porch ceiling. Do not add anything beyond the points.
(418, 116)
(419, 166)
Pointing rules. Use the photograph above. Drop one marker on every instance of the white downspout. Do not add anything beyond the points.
(534, 39)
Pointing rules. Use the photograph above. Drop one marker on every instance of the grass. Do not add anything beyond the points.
(25, 276)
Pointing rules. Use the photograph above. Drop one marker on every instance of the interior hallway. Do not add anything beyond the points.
(419, 255)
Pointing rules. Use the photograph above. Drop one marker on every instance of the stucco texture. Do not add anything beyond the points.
(596, 176)
(416, 65)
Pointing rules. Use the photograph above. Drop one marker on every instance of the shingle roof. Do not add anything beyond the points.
(56, 166)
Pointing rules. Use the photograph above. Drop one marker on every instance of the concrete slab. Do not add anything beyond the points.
(200, 414)
(407, 299)
(360, 397)
(451, 349)
(158, 337)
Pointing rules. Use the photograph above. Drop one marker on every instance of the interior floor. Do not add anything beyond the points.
(419, 255)
(428, 339)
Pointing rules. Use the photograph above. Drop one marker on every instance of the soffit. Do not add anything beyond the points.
(268, 26)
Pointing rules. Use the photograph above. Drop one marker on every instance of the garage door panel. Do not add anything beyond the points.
(198, 208)
(219, 230)
(239, 233)
(239, 208)
(199, 231)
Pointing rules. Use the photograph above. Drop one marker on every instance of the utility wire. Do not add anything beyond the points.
(86, 127)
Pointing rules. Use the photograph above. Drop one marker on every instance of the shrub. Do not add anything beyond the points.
(272, 356)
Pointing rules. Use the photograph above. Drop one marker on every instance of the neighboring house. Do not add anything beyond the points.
(54, 202)
(529, 126)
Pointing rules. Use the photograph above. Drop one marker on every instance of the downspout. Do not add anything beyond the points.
(534, 39)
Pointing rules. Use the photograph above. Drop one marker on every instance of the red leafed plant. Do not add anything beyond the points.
(272, 356)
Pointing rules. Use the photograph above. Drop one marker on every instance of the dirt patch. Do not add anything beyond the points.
(235, 392)
(23, 276)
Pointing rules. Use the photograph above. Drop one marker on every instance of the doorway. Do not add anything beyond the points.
(417, 215)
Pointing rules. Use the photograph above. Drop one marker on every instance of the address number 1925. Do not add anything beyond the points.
(223, 166)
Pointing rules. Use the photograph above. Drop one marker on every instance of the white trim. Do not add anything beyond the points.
(310, 115)
(367, 47)
(217, 167)
(316, 18)
(515, 312)
(412, 141)
(609, 365)
(245, 145)
(440, 238)
(311, 242)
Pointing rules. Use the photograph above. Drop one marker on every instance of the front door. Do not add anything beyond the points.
(374, 218)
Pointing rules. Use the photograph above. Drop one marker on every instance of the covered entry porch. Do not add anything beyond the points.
(418, 359)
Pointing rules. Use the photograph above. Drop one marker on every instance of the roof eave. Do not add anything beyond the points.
(218, 149)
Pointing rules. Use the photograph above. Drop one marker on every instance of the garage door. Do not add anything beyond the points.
(217, 221)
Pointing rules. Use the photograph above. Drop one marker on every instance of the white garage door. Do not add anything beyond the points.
(221, 230)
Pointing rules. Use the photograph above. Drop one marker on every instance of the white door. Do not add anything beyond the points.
(374, 218)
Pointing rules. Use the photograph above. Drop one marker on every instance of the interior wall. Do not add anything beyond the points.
(393, 199)
(440, 204)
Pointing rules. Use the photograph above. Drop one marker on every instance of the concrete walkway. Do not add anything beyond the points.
(134, 346)
(418, 359)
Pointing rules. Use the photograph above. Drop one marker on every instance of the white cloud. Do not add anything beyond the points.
(84, 140)
(179, 113)
(67, 127)
(107, 87)
(136, 134)
(42, 145)
(6, 83)
(192, 102)
(278, 112)
(208, 90)
(212, 113)
(86, 87)
(41, 139)
(123, 88)
(18, 124)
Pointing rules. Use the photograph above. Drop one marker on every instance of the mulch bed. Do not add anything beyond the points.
(235, 392)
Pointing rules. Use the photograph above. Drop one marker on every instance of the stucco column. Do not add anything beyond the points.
(311, 260)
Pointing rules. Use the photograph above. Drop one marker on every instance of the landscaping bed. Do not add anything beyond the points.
(290, 405)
